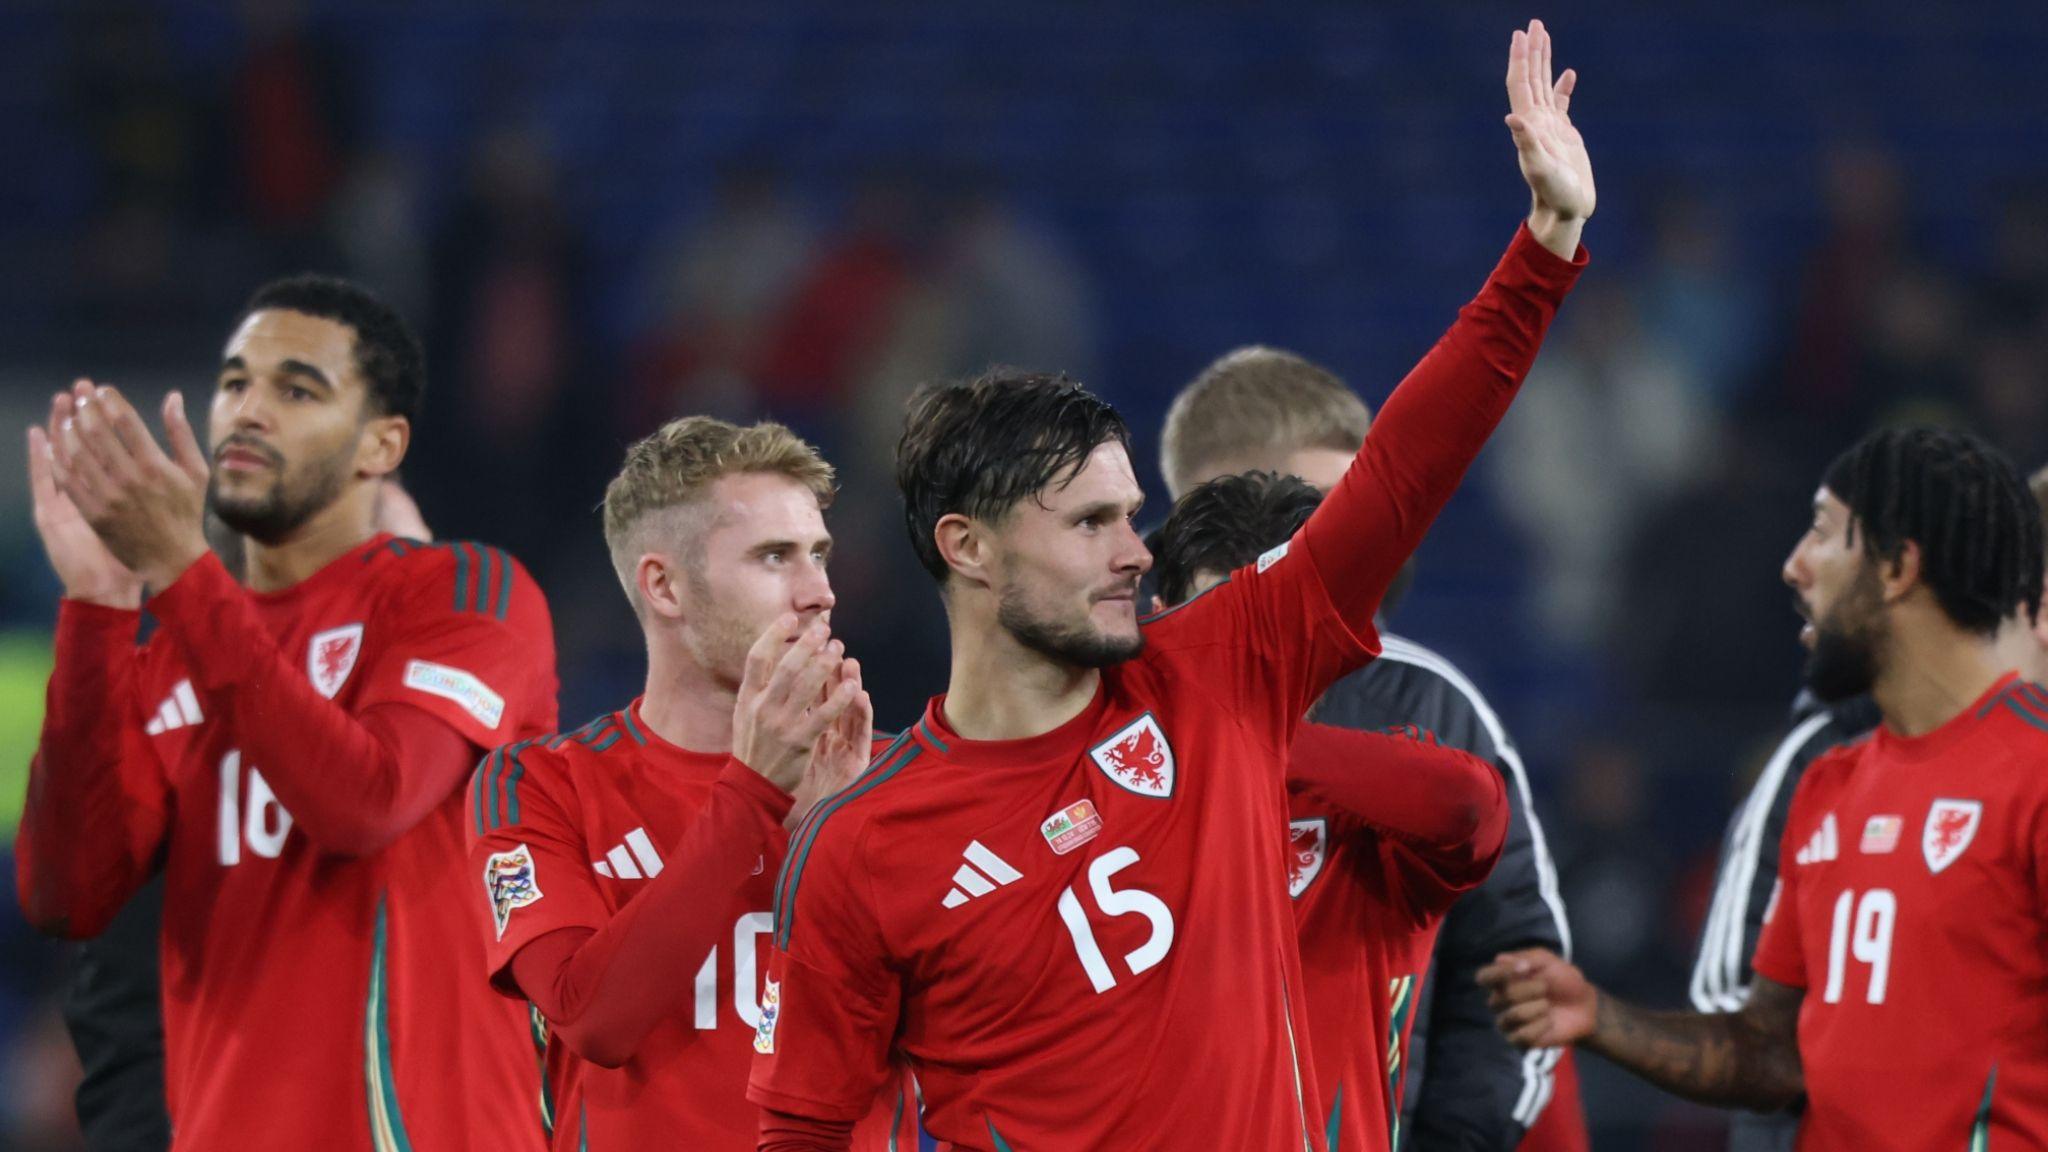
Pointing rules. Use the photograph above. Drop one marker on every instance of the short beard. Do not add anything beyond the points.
(1079, 646)
(1846, 653)
(272, 518)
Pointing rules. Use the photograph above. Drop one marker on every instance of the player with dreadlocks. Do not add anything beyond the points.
(1901, 985)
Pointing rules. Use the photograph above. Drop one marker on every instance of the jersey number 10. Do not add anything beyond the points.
(746, 993)
(1862, 928)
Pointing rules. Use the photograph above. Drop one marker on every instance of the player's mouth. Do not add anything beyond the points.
(234, 457)
(1806, 628)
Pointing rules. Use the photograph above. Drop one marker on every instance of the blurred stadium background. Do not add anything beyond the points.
(1813, 216)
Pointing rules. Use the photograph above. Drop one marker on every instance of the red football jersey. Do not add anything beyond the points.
(566, 831)
(321, 1001)
(1913, 910)
(1367, 909)
(1082, 939)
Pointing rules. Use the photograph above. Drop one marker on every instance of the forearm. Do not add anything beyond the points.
(87, 838)
(1433, 426)
(787, 1132)
(352, 784)
(1433, 798)
(1721, 1059)
(603, 992)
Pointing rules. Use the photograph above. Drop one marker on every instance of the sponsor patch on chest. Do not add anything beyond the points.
(1951, 825)
(1881, 834)
(1138, 758)
(331, 656)
(510, 882)
(471, 694)
(1071, 827)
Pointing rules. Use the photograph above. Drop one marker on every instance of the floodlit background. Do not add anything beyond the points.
(604, 214)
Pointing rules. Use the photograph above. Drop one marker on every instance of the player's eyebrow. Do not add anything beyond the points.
(302, 369)
(297, 368)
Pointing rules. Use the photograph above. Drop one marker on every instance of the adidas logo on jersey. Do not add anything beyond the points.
(635, 859)
(179, 710)
(1826, 844)
(983, 873)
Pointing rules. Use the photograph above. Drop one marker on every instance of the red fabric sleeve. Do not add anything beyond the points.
(98, 808)
(1441, 813)
(788, 1132)
(1432, 428)
(1778, 950)
(603, 991)
(1443, 802)
(352, 784)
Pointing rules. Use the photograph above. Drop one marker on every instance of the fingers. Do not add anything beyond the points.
(1519, 96)
(1510, 966)
(1539, 74)
(767, 649)
(76, 474)
(1514, 991)
(185, 450)
(1522, 1015)
(801, 673)
(1562, 94)
(42, 484)
(91, 436)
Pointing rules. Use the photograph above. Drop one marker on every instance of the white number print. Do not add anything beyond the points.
(746, 950)
(261, 822)
(1128, 901)
(1863, 929)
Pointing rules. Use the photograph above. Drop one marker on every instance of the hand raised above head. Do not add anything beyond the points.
(1549, 149)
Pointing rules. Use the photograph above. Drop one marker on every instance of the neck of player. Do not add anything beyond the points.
(1001, 690)
(685, 703)
(325, 536)
(1933, 671)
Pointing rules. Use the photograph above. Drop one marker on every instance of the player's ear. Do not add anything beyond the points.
(963, 544)
(381, 447)
(1900, 576)
(660, 583)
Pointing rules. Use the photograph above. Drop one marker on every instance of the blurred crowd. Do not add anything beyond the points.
(1611, 574)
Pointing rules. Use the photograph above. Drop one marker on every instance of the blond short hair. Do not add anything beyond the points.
(1257, 400)
(668, 474)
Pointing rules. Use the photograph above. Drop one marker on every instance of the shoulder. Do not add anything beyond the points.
(462, 577)
(2020, 714)
(512, 776)
(828, 844)
(1829, 769)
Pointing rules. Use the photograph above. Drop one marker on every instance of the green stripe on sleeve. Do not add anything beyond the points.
(504, 604)
(461, 576)
(486, 559)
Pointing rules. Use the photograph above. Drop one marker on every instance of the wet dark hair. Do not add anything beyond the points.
(387, 351)
(1966, 506)
(1225, 524)
(978, 447)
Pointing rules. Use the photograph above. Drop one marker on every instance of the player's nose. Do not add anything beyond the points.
(1131, 554)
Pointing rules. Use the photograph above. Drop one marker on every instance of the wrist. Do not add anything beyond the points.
(121, 597)
(159, 575)
(1556, 231)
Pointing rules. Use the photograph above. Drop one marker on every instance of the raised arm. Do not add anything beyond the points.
(1748, 1058)
(1433, 426)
